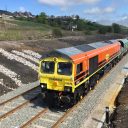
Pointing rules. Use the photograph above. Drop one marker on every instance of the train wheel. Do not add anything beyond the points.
(74, 98)
(93, 81)
(50, 99)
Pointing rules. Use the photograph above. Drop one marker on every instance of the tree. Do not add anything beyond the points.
(116, 28)
(81, 24)
(42, 18)
(109, 29)
(102, 30)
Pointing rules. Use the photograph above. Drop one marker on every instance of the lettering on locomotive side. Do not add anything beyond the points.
(55, 79)
(107, 56)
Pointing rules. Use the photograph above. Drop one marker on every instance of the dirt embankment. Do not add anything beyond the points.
(51, 44)
(120, 119)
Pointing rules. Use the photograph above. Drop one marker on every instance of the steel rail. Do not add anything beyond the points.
(17, 108)
(11, 99)
(34, 118)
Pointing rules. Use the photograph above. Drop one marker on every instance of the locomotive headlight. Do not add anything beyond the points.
(43, 86)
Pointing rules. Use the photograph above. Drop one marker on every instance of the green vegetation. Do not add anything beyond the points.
(56, 32)
(42, 18)
(88, 27)
(87, 32)
(43, 26)
(105, 29)
(23, 30)
(116, 28)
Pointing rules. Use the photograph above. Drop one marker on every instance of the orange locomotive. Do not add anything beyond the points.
(67, 74)
(97, 57)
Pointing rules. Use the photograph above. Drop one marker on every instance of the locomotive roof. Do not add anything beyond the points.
(98, 44)
(75, 50)
(110, 41)
(70, 51)
(80, 49)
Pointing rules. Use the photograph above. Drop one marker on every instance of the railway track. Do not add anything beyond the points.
(56, 123)
(13, 98)
(41, 114)
(6, 104)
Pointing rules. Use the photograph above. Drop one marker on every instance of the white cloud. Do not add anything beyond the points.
(109, 10)
(67, 2)
(97, 10)
(22, 9)
(124, 18)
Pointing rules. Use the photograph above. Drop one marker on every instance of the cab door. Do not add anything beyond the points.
(93, 64)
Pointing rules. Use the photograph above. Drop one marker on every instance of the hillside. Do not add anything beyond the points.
(26, 26)
(11, 29)
(22, 30)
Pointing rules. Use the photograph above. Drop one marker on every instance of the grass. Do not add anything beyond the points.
(23, 30)
(30, 25)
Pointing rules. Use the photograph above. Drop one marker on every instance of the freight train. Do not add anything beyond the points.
(68, 74)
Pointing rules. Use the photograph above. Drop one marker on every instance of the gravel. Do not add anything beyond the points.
(48, 120)
(17, 58)
(17, 68)
(25, 56)
(4, 89)
(32, 53)
(24, 73)
(10, 74)
(8, 82)
(4, 85)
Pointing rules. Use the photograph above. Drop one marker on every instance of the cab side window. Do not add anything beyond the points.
(79, 68)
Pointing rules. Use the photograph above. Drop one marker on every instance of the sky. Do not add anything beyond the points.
(103, 11)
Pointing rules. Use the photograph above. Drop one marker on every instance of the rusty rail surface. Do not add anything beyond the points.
(34, 118)
(11, 99)
(17, 108)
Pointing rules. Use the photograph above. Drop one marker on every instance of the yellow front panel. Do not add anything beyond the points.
(54, 81)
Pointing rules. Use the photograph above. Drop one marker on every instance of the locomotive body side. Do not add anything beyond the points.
(94, 60)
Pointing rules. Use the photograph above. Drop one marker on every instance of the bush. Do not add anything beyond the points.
(87, 32)
(102, 30)
(56, 32)
(116, 28)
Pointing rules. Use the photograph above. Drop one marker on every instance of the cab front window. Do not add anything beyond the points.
(48, 67)
(64, 68)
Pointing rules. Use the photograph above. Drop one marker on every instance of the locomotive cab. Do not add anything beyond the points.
(56, 74)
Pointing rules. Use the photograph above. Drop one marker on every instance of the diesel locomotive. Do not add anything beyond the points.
(67, 74)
